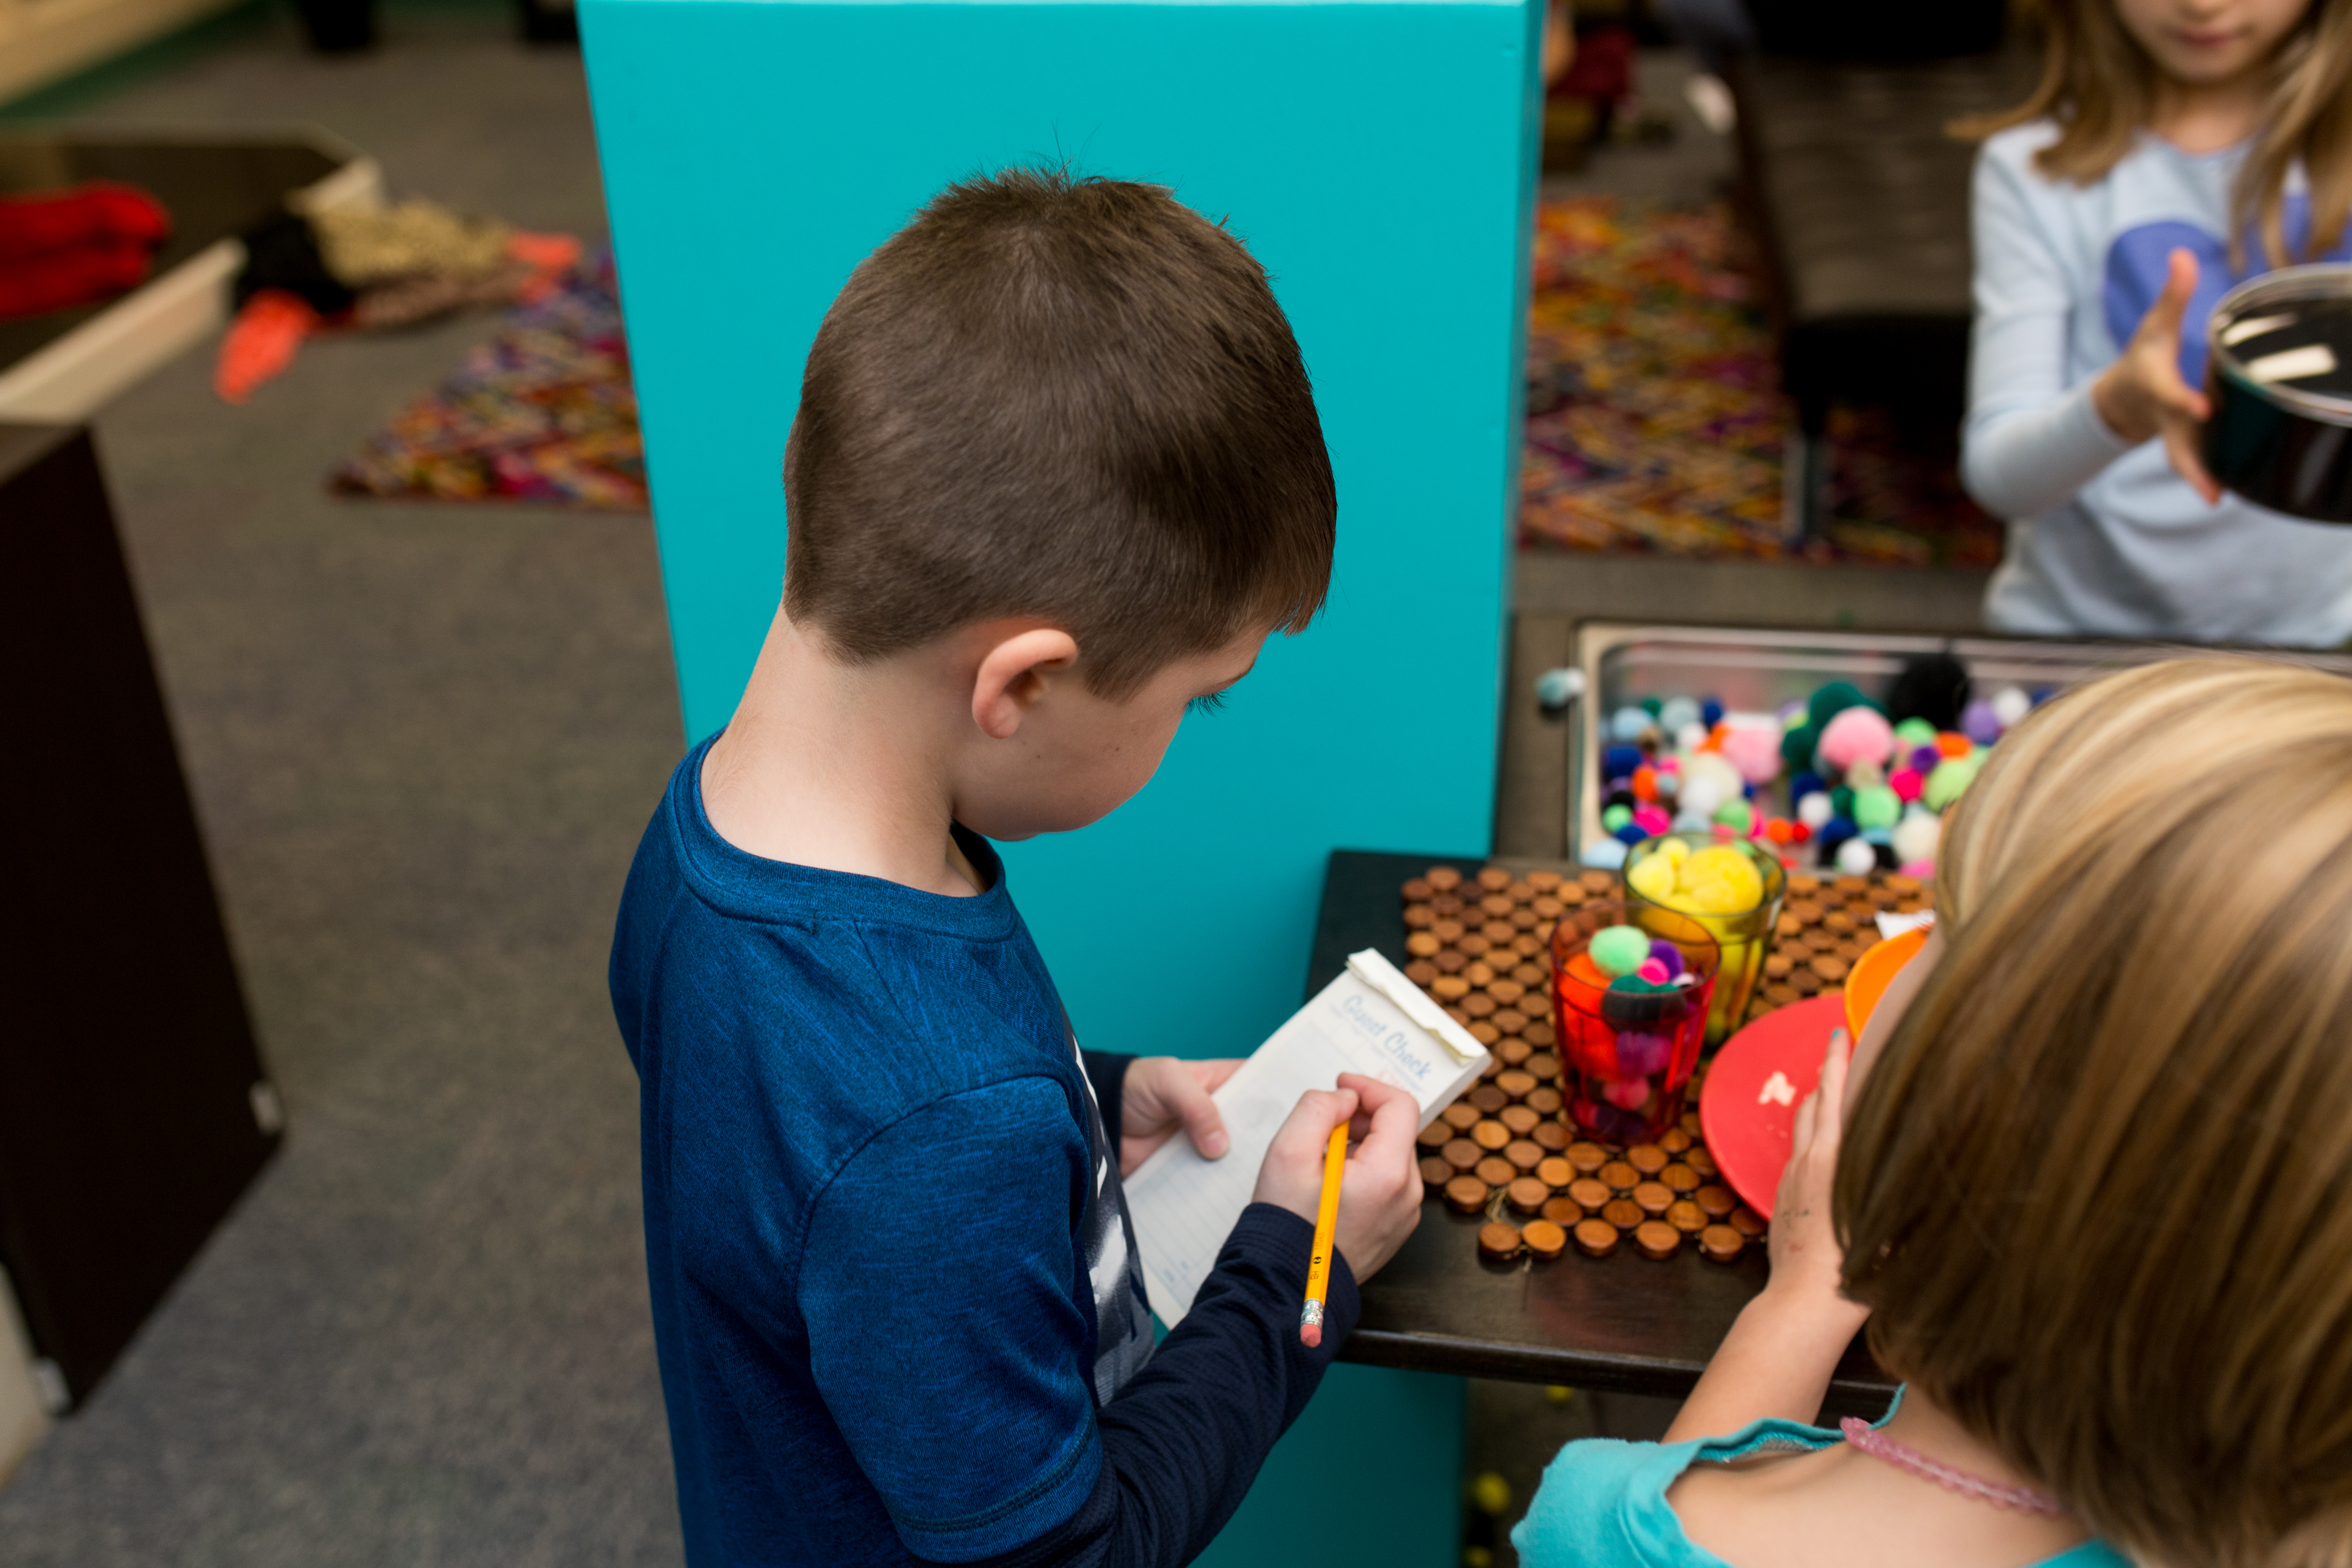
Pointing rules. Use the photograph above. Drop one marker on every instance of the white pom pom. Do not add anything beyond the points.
(1816, 811)
(1701, 795)
(2011, 705)
(1627, 723)
(1856, 858)
(1917, 836)
(1607, 854)
(1690, 737)
(1678, 714)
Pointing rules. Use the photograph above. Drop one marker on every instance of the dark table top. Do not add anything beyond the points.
(1620, 1322)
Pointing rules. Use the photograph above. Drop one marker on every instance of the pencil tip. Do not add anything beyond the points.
(1310, 1335)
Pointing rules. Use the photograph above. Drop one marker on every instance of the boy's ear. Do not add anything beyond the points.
(1012, 677)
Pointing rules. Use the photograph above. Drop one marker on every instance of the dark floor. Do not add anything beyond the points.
(422, 742)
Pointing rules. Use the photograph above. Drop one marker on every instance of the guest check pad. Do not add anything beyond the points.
(1370, 1020)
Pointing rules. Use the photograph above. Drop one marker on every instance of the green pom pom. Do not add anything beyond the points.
(1913, 733)
(1736, 814)
(1876, 806)
(1616, 817)
(1618, 950)
(1652, 707)
(1949, 781)
(1841, 802)
(1796, 744)
(1833, 699)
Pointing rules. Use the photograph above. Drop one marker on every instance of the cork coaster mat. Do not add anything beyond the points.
(1477, 943)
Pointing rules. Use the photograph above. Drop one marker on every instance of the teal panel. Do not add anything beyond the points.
(1378, 158)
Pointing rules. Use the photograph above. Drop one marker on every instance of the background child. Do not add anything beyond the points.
(1056, 475)
(2174, 148)
(2093, 1185)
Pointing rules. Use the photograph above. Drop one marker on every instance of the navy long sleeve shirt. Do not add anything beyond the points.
(896, 1296)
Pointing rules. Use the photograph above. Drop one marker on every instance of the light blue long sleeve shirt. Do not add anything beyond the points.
(2105, 538)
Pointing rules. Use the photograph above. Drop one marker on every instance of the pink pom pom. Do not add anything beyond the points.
(1924, 870)
(1855, 735)
(1755, 752)
(1652, 820)
(1654, 972)
(1628, 1094)
(1905, 784)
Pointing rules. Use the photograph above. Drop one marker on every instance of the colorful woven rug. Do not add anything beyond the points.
(543, 412)
(1656, 419)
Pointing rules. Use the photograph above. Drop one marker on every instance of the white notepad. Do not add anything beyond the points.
(1370, 1020)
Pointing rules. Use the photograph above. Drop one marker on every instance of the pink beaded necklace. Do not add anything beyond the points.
(1862, 1435)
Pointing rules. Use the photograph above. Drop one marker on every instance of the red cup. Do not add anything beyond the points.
(1629, 1043)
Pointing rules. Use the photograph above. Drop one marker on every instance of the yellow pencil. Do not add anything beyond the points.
(1326, 1220)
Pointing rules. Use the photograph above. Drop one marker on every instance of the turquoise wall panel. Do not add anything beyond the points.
(1378, 158)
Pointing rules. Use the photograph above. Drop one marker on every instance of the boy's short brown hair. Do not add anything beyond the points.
(2097, 1191)
(1069, 398)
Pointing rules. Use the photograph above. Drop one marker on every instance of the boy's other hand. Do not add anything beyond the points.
(1161, 1094)
(1379, 1192)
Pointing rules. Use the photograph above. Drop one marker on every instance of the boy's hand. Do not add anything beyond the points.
(1379, 1192)
(2142, 394)
(1806, 1257)
(1161, 1094)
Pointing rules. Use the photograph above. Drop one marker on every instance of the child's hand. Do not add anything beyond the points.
(1161, 1094)
(2142, 394)
(1380, 1193)
(1806, 1258)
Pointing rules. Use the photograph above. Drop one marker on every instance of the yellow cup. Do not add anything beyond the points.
(1744, 935)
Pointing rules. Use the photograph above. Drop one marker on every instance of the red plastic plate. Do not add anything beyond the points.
(1758, 1079)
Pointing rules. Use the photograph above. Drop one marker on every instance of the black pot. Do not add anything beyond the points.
(2281, 434)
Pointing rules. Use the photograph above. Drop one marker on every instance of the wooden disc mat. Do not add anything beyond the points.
(1478, 942)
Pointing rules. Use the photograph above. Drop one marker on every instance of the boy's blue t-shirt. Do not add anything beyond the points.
(850, 1089)
(895, 1290)
(1603, 1504)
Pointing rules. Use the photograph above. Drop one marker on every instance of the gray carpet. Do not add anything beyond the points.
(422, 742)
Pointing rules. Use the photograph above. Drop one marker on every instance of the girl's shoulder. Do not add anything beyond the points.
(1602, 1502)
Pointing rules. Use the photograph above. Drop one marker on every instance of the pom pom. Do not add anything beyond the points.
(1804, 784)
(1875, 806)
(1932, 686)
(1616, 817)
(1603, 854)
(1755, 750)
(1639, 1054)
(1654, 972)
(1951, 743)
(1917, 837)
(1690, 737)
(1913, 733)
(1714, 767)
(1700, 795)
(1736, 814)
(1906, 783)
(1947, 783)
(1645, 783)
(1980, 724)
(2011, 705)
(1631, 834)
(1669, 781)
(1667, 956)
(1651, 705)
(1710, 711)
(1925, 758)
(1780, 830)
(1856, 734)
(1650, 820)
(1864, 775)
(1828, 701)
(1855, 858)
(1814, 810)
(1628, 1094)
(1619, 761)
(1842, 801)
(1677, 714)
(1625, 725)
(1618, 950)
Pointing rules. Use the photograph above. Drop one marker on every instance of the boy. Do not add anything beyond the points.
(1055, 477)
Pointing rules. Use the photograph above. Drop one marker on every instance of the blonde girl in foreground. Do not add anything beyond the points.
(2092, 1169)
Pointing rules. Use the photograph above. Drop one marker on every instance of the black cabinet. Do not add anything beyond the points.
(134, 1106)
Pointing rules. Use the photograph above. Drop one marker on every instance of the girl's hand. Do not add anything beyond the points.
(1806, 1258)
(1163, 1093)
(2142, 395)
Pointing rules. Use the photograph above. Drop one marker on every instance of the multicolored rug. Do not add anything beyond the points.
(1655, 420)
(545, 411)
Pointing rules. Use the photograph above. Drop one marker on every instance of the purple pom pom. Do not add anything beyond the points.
(1667, 954)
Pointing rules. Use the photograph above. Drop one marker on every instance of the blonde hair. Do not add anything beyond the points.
(2100, 88)
(2098, 1189)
